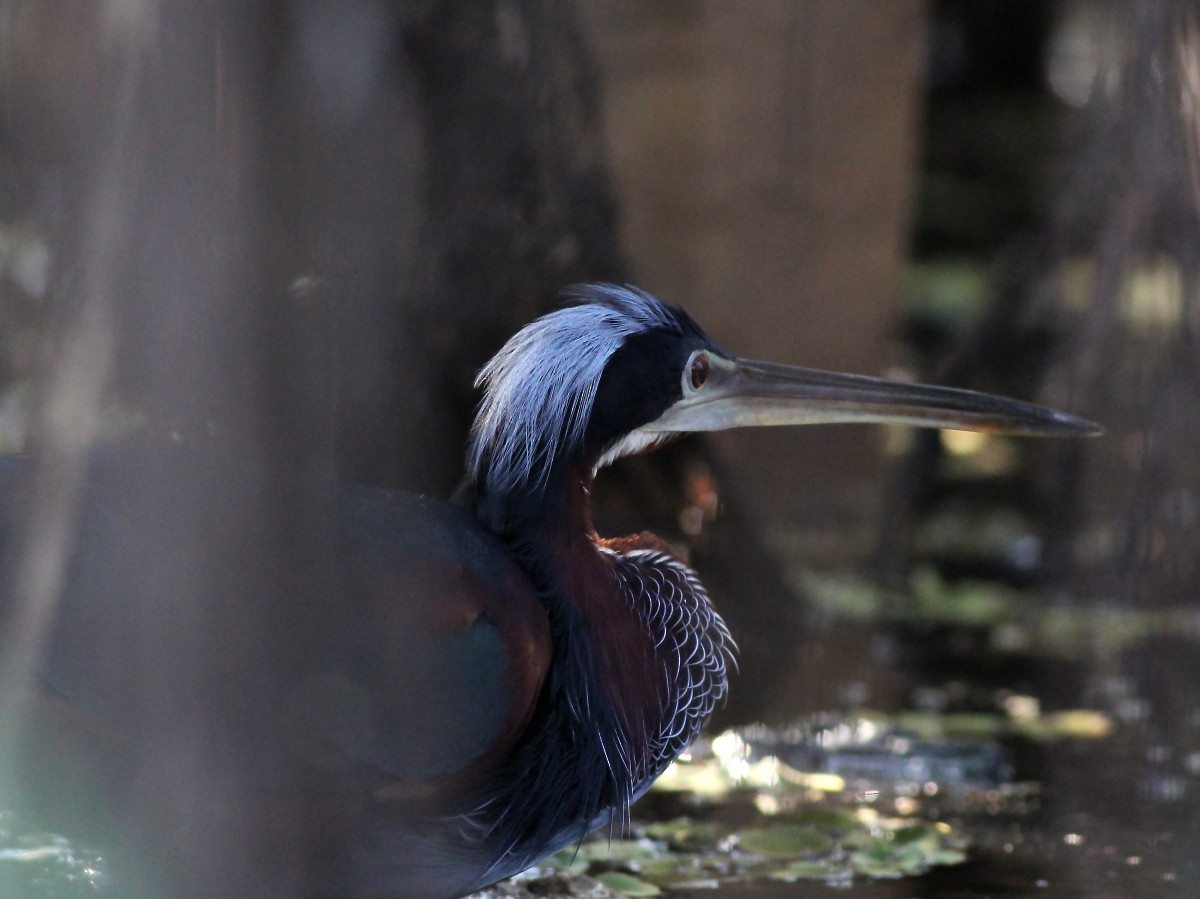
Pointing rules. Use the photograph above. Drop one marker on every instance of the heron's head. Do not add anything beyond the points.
(618, 371)
(578, 385)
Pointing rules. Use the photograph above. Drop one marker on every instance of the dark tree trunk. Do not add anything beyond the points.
(286, 264)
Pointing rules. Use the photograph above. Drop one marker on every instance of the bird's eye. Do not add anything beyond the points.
(698, 371)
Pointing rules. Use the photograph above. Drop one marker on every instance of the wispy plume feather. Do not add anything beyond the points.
(539, 389)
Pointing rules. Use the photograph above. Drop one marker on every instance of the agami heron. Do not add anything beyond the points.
(501, 679)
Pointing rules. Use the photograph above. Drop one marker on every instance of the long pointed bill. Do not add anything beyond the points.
(741, 393)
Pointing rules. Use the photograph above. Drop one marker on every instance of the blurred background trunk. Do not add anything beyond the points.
(429, 174)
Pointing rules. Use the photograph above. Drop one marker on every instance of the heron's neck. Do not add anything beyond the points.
(551, 536)
(552, 514)
(602, 644)
(615, 707)
(579, 743)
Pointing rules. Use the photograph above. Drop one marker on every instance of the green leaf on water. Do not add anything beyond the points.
(924, 834)
(947, 857)
(687, 835)
(620, 850)
(627, 884)
(804, 870)
(785, 841)
(827, 819)
(568, 861)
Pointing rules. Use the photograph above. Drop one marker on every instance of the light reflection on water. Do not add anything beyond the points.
(39, 865)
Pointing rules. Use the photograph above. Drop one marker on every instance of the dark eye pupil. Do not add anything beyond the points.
(699, 372)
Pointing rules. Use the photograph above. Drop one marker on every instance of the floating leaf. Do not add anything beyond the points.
(784, 841)
(627, 884)
(923, 834)
(620, 850)
(687, 835)
(805, 870)
(875, 862)
(947, 857)
(827, 819)
(568, 861)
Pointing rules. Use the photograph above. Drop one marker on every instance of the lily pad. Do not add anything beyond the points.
(627, 884)
(620, 850)
(833, 820)
(687, 835)
(917, 834)
(784, 841)
(567, 861)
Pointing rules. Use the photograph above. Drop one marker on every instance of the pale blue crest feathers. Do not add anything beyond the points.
(539, 389)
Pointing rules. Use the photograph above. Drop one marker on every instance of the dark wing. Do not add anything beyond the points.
(455, 643)
(407, 642)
